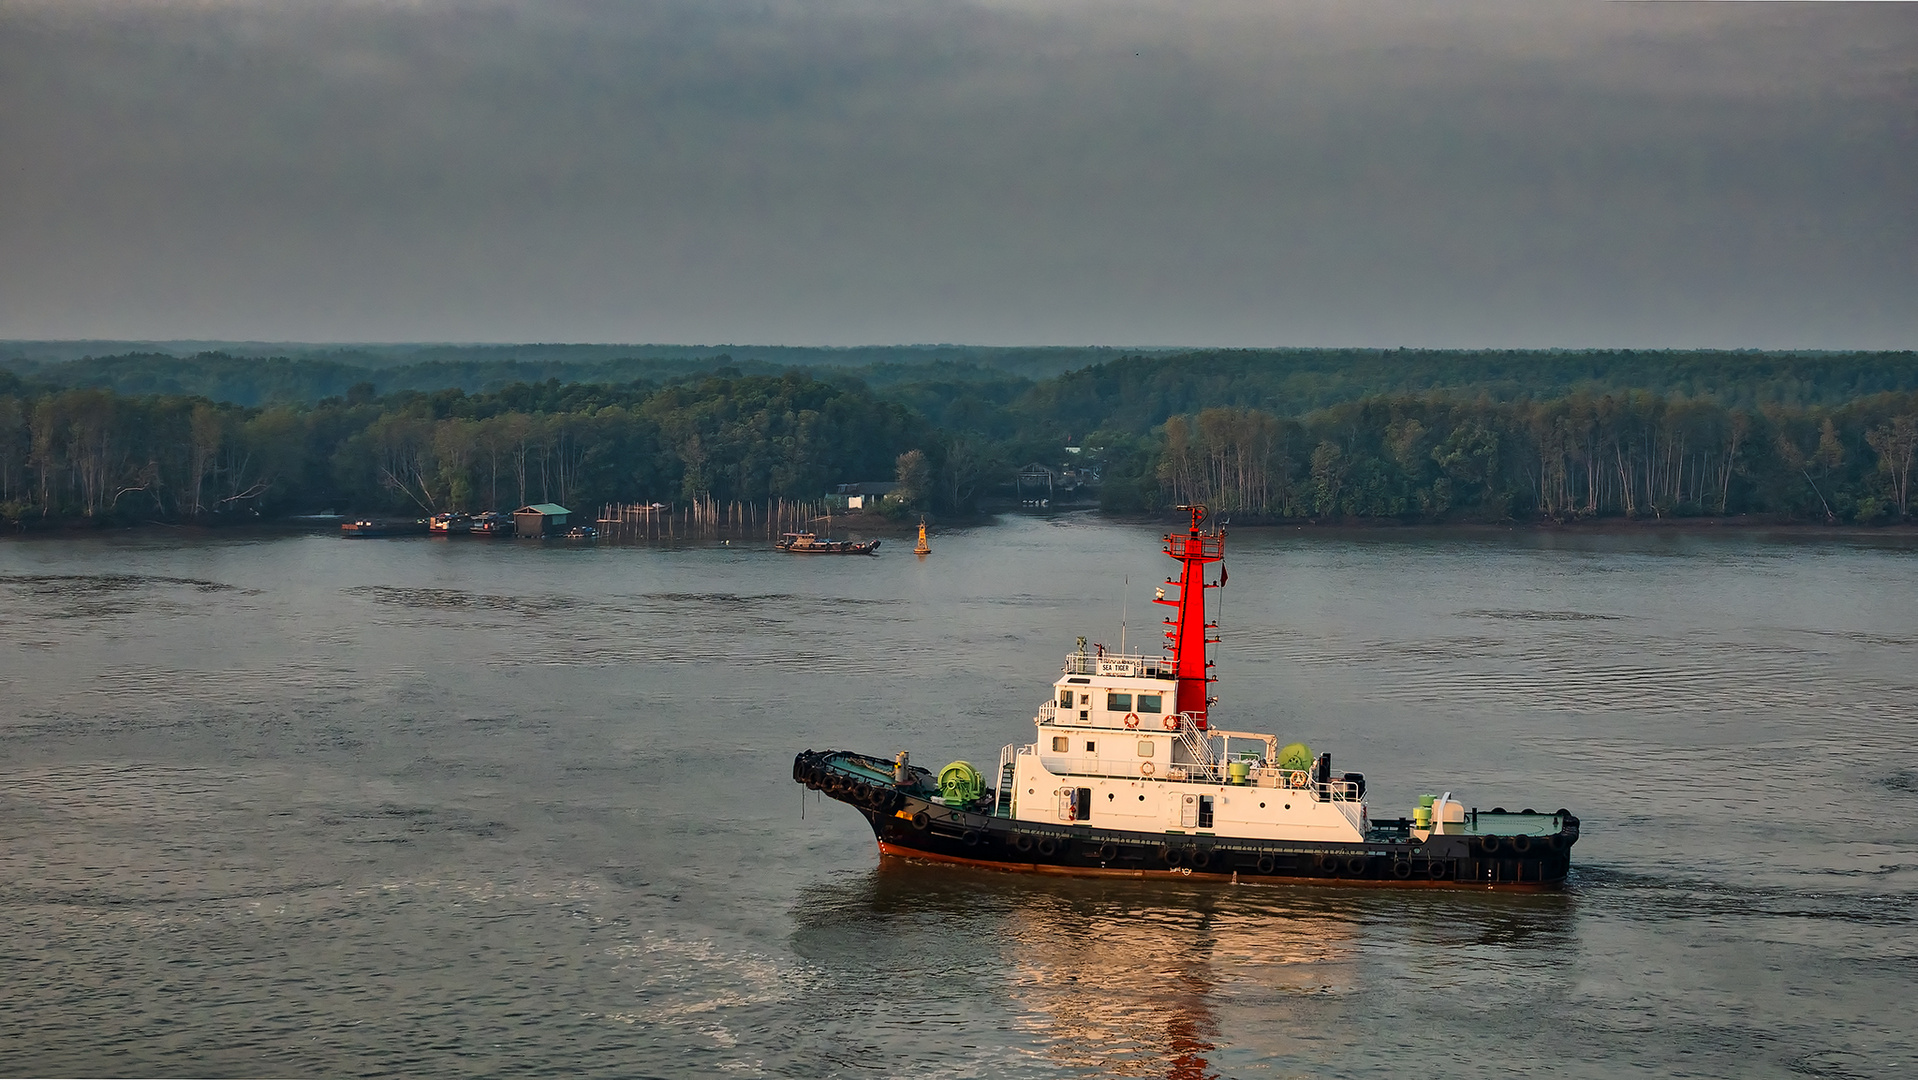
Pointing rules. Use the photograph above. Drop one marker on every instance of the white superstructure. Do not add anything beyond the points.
(1111, 752)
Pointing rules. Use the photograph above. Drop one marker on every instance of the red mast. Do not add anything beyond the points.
(1185, 633)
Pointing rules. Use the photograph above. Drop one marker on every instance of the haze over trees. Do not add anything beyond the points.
(1332, 435)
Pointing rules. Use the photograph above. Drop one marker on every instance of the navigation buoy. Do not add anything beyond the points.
(922, 548)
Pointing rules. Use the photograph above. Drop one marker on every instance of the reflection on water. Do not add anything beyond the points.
(1162, 979)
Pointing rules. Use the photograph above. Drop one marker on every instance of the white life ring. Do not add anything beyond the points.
(1298, 779)
(1131, 720)
(1145, 768)
(1172, 723)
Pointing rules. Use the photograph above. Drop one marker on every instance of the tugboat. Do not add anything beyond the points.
(805, 543)
(1127, 776)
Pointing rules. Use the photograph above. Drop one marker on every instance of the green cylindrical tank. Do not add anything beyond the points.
(960, 783)
(1296, 757)
(1239, 771)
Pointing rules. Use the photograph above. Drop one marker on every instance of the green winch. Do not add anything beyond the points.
(960, 784)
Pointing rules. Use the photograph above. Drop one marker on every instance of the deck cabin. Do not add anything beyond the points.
(1112, 751)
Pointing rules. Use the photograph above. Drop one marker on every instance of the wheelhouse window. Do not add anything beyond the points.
(1150, 703)
(1065, 699)
(1118, 702)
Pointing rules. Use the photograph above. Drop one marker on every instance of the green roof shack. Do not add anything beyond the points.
(540, 519)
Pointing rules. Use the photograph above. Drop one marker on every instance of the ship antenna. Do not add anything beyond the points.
(1123, 597)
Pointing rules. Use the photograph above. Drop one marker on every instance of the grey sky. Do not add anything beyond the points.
(828, 172)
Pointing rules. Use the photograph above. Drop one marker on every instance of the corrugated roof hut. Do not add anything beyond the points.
(540, 519)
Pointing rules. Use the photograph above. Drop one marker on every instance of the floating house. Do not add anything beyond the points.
(541, 519)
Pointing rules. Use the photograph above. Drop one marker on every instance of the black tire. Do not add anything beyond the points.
(1048, 847)
(1488, 844)
(1528, 810)
(1438, 870)
(1521, 844)
(1553, 842)
(1401, 868)
(1327, 863)
(920, 821)
(1108, 852)
(1022, 843)
(1171, 856)
(1267, 864)
(1498, 809)
(971, 838)
(1355, 866)
(1201, 858)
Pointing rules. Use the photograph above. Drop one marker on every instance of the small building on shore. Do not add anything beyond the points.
(541, 519)
(865, 495)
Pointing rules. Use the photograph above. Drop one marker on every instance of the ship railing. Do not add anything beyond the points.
(1197, 743)
(1049, 713)
(1122, 665)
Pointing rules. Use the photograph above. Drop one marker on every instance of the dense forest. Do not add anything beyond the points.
(1324, 435)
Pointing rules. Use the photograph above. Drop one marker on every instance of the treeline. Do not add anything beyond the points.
(1292, 435)
(95, 455)
(1442, 458)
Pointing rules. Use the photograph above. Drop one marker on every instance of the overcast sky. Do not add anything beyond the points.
(1002, 172)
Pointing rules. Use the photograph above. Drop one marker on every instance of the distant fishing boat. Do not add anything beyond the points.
(450, 523)
(1127, 776)
(491, 523)
(368, 527)
(805, 543)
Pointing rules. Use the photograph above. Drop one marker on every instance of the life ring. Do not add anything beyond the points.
(1171, 723)
(1488, 844)
(1022, 843)
(1131, 720)
(1521, 844)
(1298, 779)
(1267, 864)
(1145, 769)
(920, 821)
(1048, 847)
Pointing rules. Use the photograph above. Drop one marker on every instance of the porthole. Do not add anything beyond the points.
(1261, 806)
(1109, 796)
(1142, 798)
(1288, 806)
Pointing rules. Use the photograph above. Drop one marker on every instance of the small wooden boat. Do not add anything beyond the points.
(805, 543)
(582, 532)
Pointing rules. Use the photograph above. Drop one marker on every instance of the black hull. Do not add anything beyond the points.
(908, 824)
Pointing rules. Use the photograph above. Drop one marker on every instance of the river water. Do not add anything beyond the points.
(307, 807)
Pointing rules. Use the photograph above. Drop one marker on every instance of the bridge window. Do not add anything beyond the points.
(1065, 699)
(1149, 703)
(1118, 702)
